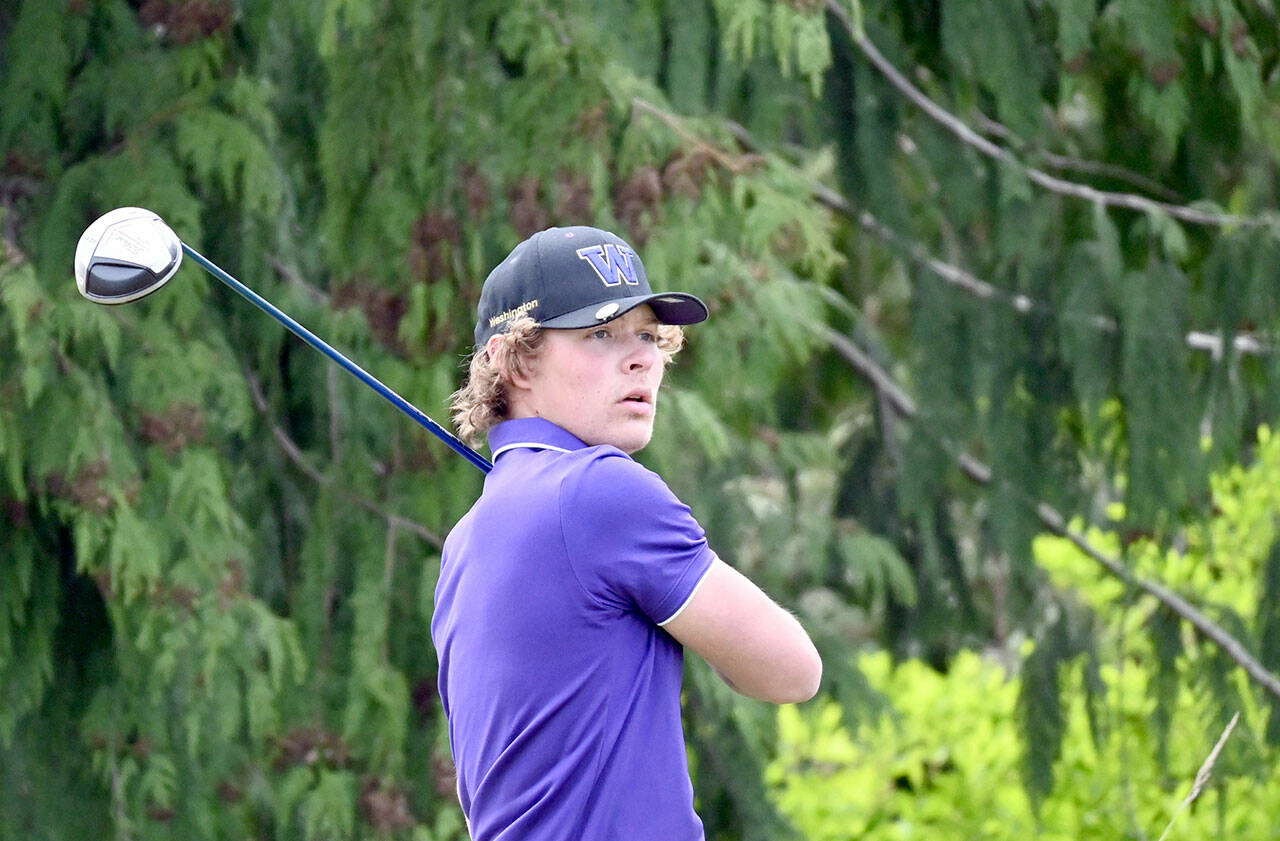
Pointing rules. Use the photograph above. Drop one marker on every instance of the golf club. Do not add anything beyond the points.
(130, 252)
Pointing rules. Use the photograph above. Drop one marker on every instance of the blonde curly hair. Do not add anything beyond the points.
(481, 403)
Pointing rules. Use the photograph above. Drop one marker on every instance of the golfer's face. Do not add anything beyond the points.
(601, 383)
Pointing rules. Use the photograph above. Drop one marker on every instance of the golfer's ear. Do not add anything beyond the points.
(502, 357)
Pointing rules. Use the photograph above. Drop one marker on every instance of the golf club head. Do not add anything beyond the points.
(125, 255)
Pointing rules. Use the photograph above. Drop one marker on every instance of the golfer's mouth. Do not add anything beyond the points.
(637, 399)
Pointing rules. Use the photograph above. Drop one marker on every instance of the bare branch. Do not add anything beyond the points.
(952, 274)
(1234, 649)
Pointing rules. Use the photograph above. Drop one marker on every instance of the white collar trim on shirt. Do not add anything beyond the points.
(532, 445)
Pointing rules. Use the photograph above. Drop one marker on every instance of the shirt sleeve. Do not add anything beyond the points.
(631, 542)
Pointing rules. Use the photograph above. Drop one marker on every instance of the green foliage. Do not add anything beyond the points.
(984, 54)
(794, 32)
(1162, 444)
(946, 763)
(1075, 20)
(218, 552)
(1108, 750)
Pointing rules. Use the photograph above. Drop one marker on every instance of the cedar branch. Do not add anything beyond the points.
(1056, 523)
(1065, 162)
(736, 164)
(982, 474)
(1049, 182)
(1243, 344)
(294, 453)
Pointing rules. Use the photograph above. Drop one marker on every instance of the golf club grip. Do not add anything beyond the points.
(319, 344)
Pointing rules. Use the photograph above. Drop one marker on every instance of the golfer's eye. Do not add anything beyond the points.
(648, 337)
(599, 334)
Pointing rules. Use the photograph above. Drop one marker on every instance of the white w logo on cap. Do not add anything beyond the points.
(613, 263)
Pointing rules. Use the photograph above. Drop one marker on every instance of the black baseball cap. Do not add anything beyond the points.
(574, 277)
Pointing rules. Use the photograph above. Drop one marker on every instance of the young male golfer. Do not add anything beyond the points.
(570, 589)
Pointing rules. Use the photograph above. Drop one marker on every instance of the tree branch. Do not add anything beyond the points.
(1242, 344)
(737, 164)
(1054, 521)
(1049, 182)
(295, 278)
(294, 453)
(1119, 173)
(974, 468)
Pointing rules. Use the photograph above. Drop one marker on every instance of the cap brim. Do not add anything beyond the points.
(668, 307)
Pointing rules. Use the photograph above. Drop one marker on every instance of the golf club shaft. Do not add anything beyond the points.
(319, 344)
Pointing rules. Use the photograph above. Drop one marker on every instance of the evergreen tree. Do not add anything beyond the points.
(976, 269)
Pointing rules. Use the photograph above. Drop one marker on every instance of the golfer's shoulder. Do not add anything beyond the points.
(605, 472)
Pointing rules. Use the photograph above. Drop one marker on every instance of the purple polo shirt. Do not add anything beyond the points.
(561, 688)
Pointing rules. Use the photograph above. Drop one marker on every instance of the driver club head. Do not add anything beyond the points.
(125, 255)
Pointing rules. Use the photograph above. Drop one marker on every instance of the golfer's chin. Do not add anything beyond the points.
(630, 436)
(630, 447)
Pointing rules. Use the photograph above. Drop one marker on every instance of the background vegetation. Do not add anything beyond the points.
(984, 397)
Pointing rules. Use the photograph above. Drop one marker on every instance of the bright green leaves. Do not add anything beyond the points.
(1228, 564)
(946, 763)
(1267, 628)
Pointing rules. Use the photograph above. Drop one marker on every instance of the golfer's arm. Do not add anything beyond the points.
(759, 648)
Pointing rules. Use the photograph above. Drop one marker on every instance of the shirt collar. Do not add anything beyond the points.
(533, 433)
